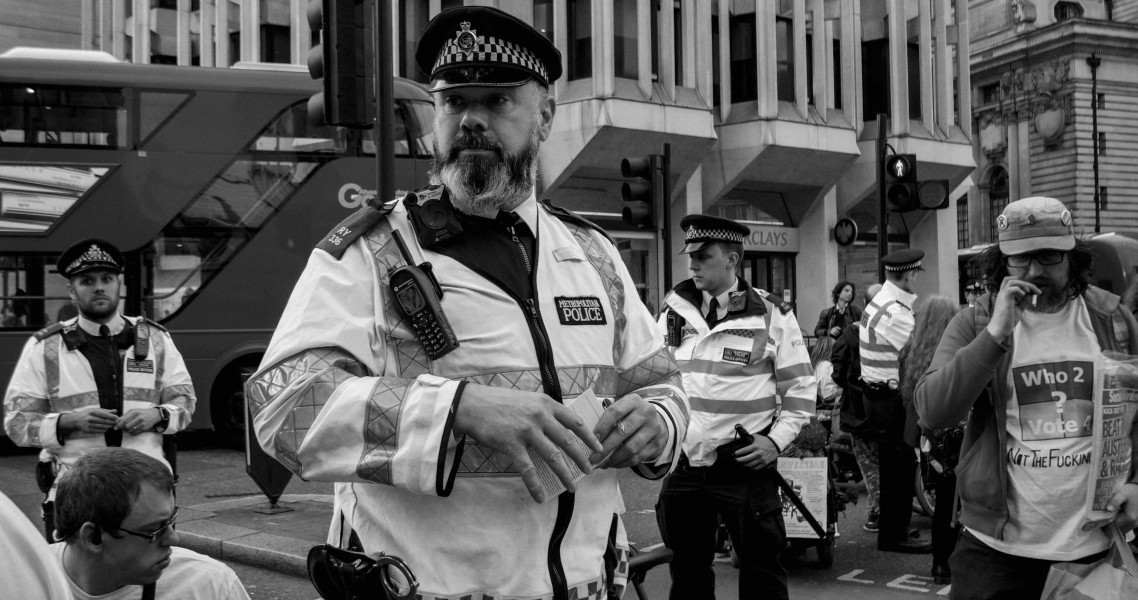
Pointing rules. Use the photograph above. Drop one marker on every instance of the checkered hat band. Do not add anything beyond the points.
(490, 49)
(903, 267)
(696, 234)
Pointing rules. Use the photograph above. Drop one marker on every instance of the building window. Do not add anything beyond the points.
(677, 40)
(744, 66)
(1102, 196)
(1101, 101)
(580, 34)
(1101, 143)
(784, 44)
(625, 55)
(1067, 10)
(716, 98)
(997, 199)
(543, 18)
(962, 223)
(414, 17)
(990, 94)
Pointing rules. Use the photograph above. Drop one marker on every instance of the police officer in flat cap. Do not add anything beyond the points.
(98, 379)
(741, 347)
(887, 324)
(434, 426)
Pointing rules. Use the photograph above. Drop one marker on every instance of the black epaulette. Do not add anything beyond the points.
(48, 331)
(782, 305)
(360, 222)
(572, 217)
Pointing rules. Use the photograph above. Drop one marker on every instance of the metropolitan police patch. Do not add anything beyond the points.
(580, 310)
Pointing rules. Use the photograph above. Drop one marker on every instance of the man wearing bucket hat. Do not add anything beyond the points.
(96, 380)
(1019, 365)
(433, 429)
(738, 348)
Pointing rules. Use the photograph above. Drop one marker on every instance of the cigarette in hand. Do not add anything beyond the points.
(1035, 299)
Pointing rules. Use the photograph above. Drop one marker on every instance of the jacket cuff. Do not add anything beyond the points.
(49, 432)
(444, 482)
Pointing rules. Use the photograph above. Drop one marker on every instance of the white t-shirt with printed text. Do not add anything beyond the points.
(1050, 427)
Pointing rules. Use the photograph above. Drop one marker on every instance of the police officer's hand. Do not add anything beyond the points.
(89, 420)
(632, 432)
(512, 422)
(1125, 501)
(139, 420)
(758, 454)
(1013, 296)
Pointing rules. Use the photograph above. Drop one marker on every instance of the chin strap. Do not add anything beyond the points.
(148, 591)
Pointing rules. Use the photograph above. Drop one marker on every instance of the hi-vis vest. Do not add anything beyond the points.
(53, 377)
(345, 393)
(737, 372)
(886, 325)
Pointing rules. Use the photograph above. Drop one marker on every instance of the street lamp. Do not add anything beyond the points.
(1093, 62)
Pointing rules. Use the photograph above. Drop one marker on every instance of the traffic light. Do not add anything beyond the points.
(933, 194)
(901, 190)
(640, 195)
(343, 60)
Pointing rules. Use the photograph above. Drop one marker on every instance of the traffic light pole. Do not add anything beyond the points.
(385, 105)
(882, 208)
(667, 216)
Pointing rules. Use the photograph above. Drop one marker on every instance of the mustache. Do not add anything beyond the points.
(470, 140)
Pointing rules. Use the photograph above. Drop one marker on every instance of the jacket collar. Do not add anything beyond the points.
(744, 301)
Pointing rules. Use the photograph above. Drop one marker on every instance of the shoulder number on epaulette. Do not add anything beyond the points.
(360, 222)
(782, 305)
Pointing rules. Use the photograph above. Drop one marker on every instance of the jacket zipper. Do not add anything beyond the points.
(552, 387)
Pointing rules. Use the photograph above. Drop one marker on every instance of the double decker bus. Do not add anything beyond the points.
(211, 181)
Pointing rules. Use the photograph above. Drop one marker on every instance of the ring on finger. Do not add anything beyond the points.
(622, 427)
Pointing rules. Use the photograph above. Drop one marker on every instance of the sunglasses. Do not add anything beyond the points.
(1045, 258)
(157, 533)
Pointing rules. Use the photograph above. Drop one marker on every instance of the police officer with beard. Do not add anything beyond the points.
(431, 404)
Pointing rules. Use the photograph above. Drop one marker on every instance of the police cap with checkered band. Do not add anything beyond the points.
(485, 47)
(89, 254)
(702, 230)
(900, 261)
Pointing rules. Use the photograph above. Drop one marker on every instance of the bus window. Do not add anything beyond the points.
(32, 294)
(33, 197)
(291, 132)
(413, 131)
(56, 115)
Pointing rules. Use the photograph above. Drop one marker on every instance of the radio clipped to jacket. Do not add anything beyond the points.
(418, 294)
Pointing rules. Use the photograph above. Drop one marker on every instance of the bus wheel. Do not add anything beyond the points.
(227, 405)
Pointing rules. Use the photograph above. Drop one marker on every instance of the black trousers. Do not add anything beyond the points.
(898, 463)
(691, 501)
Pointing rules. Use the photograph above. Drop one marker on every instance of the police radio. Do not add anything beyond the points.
(675, 329)
(417, 293)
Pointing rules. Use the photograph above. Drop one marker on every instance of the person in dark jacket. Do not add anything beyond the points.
(846, 360)
(833, 320)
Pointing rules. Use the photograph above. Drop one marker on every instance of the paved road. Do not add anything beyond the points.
(860, 572)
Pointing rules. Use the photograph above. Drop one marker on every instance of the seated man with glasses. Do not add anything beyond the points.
(1019, 365)
(114, 516)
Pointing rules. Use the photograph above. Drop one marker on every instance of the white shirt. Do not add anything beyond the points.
(190, 576)
(26, 562)
(723, 299)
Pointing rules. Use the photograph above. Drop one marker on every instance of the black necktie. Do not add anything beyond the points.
(113, 436)
(712, 313)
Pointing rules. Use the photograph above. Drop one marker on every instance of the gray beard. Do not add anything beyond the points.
(483, 186)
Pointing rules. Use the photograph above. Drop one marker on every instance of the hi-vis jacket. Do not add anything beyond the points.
(886, 325)
(53, 377)
(345, 393)
(733, 372)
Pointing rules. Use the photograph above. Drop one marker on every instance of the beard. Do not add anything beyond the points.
(483, 185)
(1052, 297)
(89, 309)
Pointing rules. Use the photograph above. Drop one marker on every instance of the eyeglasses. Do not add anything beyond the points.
(1045, 258)
(157, 533)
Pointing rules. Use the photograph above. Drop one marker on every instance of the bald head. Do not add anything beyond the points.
(871, 291)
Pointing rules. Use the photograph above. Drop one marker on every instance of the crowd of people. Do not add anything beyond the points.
(458, 439)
